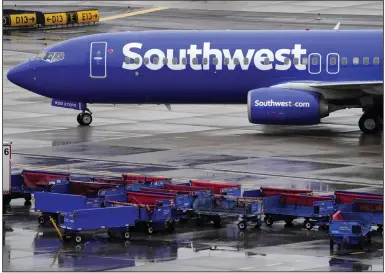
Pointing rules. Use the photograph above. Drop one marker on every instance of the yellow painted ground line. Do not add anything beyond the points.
(359, 252)
(134, 13)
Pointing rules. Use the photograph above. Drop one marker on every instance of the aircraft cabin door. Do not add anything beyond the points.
(333, 63)
(314, 63)
(98, 60)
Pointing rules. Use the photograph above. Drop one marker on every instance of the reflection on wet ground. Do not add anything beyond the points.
(273, 248)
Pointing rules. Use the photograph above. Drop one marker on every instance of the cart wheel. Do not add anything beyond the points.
(27, 203)
(242, 225)
(28, 197)
(127, 235)
(170, 227)
(380, 229)
(41, 220)
(331, 243)
(111, 234)
(199, 222)
(268, 220)
(6, 200)
(78, 247)
(150, 230)
(361, 244)
(78, 238)
(217, 222)
(308, 225)
(127, 243)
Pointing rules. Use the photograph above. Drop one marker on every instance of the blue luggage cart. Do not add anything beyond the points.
(151, 217)
(287, 207)
(59, 200)
(372, 206)
(350, 228)
(113, 219)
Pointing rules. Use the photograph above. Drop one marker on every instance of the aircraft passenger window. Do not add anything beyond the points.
(146, 60)
(366, 60)
(165, 60)
(226, 61)
(314, 61)
(295, 61)
(304, 60)
(136, 60)
(246, 61)
(174, 60)
(236, 61)
(344, 60)
(184, 61)
(156, 60)
(287, 60)
(205, 61)
(195, 60)
(215, 61)
(333, 60)
(127, 60)
(376, 60)
(356, 60)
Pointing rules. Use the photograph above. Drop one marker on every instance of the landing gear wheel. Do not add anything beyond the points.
(78, 238)
(380, 228)
(268, 220)
(127, 235)
(242, 225)
(370, 123)
(308, 225)
(41, 220)
(289, 221)
(150, 230)
(84, 119)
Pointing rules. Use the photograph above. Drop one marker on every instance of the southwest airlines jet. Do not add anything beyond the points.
(284, 77)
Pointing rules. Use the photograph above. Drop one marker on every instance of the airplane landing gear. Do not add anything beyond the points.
(371, 121)
(85, 118)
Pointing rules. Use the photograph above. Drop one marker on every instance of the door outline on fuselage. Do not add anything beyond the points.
(328, 61)
(310, 63)
(105, 60)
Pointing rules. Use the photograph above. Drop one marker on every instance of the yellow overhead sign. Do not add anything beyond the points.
(88, 16)
(25, 19)
(52, 19)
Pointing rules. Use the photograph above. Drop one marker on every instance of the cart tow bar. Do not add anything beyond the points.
(55, 226)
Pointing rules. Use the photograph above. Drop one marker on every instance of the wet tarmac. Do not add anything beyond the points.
(191, 141)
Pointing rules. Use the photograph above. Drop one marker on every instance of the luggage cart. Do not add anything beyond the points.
(67, 197)
(113, 219)
(350, 228)
(215, 208)
(153, 211)
(375, 207)
(315, 209)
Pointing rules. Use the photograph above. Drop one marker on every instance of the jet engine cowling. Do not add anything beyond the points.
(281, 106)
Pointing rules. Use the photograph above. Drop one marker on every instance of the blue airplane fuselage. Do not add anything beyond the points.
(101, 68)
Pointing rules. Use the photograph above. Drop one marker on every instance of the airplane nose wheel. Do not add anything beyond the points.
(84, 119)
(370, 122)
